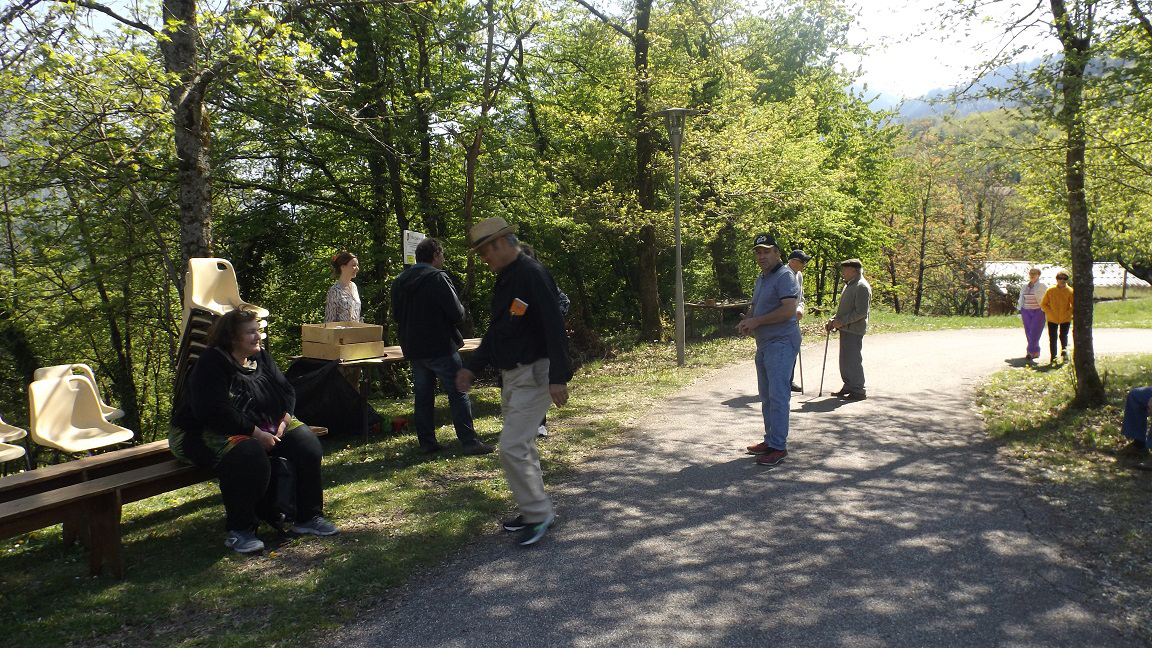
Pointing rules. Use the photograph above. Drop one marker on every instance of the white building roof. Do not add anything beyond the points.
(1104, 273)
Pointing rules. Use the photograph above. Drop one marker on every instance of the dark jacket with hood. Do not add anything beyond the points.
(427, 313)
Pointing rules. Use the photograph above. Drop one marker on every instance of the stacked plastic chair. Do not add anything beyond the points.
(8, 450)
(65, 370)
(210, 290)
(65, 415)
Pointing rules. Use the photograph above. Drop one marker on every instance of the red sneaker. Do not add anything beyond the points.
(773, 457)
(759, 448)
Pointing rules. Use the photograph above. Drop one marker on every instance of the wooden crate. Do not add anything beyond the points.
(341, 332)
(354, 351)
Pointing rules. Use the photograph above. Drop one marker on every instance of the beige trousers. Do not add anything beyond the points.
(524, 400)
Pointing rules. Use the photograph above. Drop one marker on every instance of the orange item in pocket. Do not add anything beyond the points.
(518, 307)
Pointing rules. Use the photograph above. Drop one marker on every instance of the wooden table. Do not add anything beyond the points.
(396, 354)
(719, 307)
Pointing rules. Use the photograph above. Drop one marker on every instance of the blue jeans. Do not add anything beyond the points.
(1135, 425)
(424, 375)
(774, 379)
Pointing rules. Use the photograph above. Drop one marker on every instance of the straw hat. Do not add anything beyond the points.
(489, 229)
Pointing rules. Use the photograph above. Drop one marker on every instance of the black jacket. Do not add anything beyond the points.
(536, 332)
(225, 397)
(427, 313)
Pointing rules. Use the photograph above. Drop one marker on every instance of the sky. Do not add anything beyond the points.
(912, 56)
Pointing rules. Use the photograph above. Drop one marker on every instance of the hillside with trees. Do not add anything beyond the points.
(274, 136)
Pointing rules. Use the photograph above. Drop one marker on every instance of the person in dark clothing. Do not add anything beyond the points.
(565, 305)
(427, 313)
(235, 414)
(526, 341)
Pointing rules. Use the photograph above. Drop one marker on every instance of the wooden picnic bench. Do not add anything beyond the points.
(87, 496)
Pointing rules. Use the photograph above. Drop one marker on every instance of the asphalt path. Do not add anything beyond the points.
(891, 523)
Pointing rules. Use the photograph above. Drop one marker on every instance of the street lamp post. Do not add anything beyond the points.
(674, 120)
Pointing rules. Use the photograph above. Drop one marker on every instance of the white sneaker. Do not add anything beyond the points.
(542, 431)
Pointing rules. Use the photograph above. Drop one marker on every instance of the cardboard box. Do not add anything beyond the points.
(341, 333)
(354, 351)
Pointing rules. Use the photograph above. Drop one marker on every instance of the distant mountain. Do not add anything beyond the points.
(939, 102)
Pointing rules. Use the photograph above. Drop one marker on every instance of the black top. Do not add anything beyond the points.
(231, 399)
(427, 312)
(526, 323)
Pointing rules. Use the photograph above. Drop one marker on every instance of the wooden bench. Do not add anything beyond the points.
(86, 496)
(91, 509)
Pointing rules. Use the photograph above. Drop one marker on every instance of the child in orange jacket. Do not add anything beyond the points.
(1057, 307)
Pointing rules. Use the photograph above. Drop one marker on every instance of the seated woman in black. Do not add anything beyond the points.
(236, 412)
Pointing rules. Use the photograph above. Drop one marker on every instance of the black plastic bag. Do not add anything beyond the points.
(278, 508)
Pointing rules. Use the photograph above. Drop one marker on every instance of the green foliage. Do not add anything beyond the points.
(337, 128)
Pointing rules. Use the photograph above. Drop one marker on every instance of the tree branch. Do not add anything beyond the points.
(104, 9)
(606, 20)
(1140, 15)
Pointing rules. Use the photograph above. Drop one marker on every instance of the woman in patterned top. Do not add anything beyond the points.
(343, 301)
(1030, 312)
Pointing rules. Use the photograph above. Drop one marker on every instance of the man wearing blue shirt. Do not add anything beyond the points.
(772, 321)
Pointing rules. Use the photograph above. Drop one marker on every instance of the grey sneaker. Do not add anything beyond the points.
(542, 431)
(532, 533)
(316, 526)
(243, 542)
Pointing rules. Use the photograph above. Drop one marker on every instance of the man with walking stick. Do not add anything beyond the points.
(796, 262)
(772, 320)
(852, 321)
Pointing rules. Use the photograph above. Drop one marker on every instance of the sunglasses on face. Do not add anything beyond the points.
(1063, 278)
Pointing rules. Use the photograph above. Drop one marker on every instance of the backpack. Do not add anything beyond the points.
(278, 507)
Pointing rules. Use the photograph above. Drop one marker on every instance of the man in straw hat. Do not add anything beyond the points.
(526, 341)
(852, 321)
(772, 320)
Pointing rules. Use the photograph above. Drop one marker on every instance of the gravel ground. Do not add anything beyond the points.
(891, 523)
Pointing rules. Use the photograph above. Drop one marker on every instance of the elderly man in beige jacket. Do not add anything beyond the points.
(852, 321)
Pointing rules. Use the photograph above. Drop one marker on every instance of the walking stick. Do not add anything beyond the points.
(824, 366)
(800, 358)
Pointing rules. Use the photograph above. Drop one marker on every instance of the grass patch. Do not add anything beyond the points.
(1070, 456)
(1124, 313)
(399, 512)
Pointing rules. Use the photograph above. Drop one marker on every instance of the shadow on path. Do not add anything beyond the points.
(889, 524)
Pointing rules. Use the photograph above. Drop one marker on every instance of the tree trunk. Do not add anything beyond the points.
(194, 168)
(651, 327)
(725, 260)
(892, 277)
(1089, 388)
(123, 379)
(923, 251)
(432, 217)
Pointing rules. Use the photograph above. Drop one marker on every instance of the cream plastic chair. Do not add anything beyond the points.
(8, 451)
(65, 415)
(62, 371)
(211, 285)
(10, 432)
